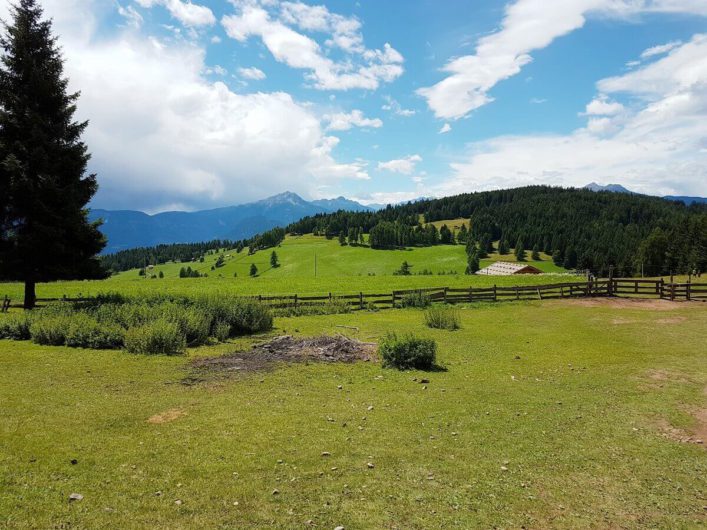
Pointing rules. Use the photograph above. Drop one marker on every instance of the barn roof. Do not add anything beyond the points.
(506, 268)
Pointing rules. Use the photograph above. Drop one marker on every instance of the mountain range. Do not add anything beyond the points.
(618, 188)
(129, 228)
(125, 229)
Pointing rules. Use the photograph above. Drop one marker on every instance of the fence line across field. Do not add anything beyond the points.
(634, 288)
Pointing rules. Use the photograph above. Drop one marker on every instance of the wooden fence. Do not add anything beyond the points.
(627, 287)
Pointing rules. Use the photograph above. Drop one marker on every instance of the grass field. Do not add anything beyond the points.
(550, 414)
(339, 269)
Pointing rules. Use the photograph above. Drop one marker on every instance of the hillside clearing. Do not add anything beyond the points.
(541, 419)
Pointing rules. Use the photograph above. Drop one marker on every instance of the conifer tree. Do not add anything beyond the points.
(253, 269)
(472, 264)
(520, 250)
(503, 247)
(274, 262)
(45, 234)
(535, 256)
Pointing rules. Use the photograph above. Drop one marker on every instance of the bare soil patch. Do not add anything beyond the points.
(697, 435)
(627, 303)
(288, 349)
(166, 416)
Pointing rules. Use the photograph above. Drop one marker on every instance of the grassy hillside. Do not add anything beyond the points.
(340, 269)
(297, 256)
(543, 419)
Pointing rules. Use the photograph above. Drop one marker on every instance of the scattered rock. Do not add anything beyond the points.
(340, 387)
(75, 497)
(424, 381)
(158, 494)
(339, 528)
(326, 453)
(279, 461)
(370, 407)
(276, 492)
(370, 465)
(178, 502)
(504, 468)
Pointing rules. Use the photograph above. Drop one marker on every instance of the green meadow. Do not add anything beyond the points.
(567, 414)
(339, 269)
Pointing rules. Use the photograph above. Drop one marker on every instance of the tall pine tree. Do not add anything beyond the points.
(45, 234)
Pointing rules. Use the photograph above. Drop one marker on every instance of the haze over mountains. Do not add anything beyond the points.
(126, 229)
(129, 228)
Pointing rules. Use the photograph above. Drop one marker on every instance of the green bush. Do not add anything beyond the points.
(49, 330)
(244, 316)
(15, 326)
(441, 317)
(335, 306)
(86, 332)
(416, 299)
(407, 352)
(221, 331)
(157, 337)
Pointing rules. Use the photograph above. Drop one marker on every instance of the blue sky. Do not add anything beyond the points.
(211, 102)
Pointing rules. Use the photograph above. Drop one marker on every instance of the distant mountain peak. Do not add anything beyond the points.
(616, 188)
(286, 197)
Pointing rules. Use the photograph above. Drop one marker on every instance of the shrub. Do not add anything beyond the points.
(86, 332)
(221, 331)
(407, 352)
(15, 326)
(157, 337)
(244, 316)
(441, 317)
(416, 299)
(49, 330)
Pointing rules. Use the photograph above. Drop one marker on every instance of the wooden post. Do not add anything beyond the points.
(360, 297)
(562, 291)
(687, 291)
(539, 295)
(517, 293)
(672, 291)
(260, 298)
(471, 295)
(494, 293)
(295, 300)
(445, 294)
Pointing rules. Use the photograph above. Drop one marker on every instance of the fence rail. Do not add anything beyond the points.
(636, 288)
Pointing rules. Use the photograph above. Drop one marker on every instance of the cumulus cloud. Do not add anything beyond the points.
(445, 128)
(189, 14)
(528, 25)
(253, 73)
(172, 137)
(659, 146)
(343, 121)
(601, 106)
(406, 165)
(273, 23)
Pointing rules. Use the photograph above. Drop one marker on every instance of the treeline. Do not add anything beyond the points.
(579, 228)
(186, 252)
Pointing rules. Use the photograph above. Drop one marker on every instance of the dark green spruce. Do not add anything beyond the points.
(44, 231)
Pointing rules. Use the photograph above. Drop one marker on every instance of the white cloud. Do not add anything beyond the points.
(538, 101)
(659, 146)
(363, 68)
(215, 39)
(528, 25)
(406, 165)
(170, 136)
(344, 121)
(445, 128)
(189, 14)
(660, 49)
(256, 74)
(217, 69)
(601, 106)
(392, 105)
(132, 18)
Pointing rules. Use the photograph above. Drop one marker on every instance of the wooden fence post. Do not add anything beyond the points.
(295, 300)
(471, 295)
(494, 293)
(445, 294)
(360, 297)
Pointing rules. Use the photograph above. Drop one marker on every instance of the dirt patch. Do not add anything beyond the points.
(627, 303)
(664, 375)
(697, 435)
(166, 416)
(286, 348)
(620, 321)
